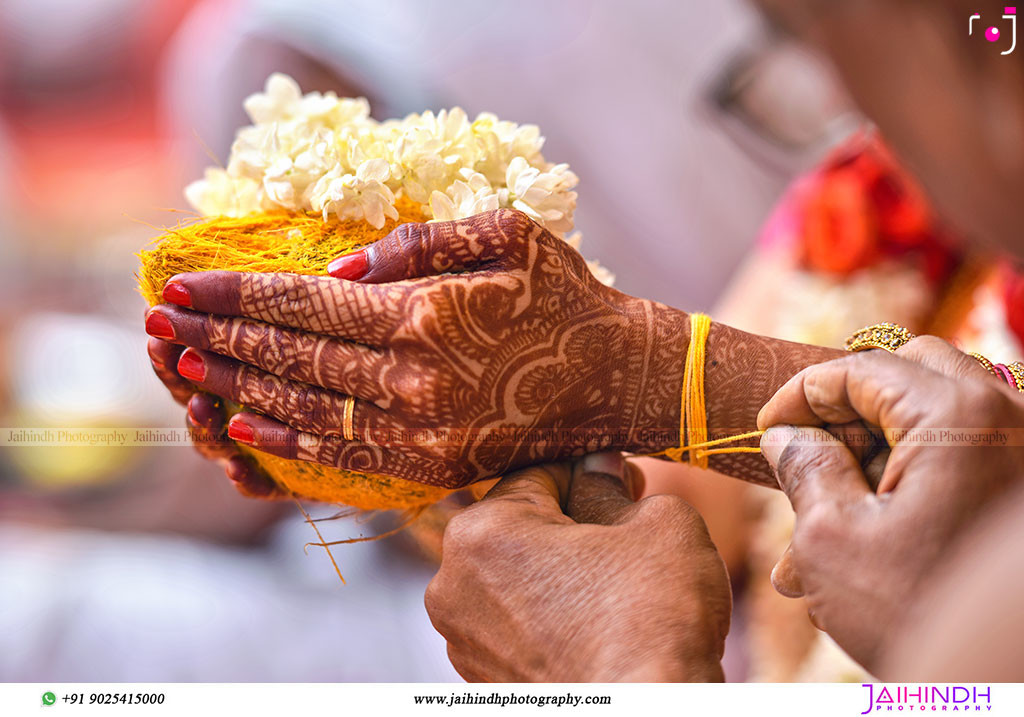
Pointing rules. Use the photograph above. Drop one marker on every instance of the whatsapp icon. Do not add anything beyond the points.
(49, 698)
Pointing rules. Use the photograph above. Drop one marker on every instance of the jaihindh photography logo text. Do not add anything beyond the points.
(927, 698)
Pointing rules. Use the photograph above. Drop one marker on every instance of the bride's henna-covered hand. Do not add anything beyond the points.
(523, 357)
(205, 421)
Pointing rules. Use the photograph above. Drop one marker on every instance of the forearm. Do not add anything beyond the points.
(742, 371)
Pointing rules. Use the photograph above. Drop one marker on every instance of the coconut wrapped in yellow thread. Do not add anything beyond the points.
(298, 243)
(314, 176)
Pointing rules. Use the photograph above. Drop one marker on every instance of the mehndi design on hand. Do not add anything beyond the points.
(522, 357)
(526, 340)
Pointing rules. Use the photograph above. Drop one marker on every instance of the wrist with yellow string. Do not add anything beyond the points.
(694, 446)
(693, 423)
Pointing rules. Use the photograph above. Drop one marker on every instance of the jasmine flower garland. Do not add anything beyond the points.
(324, 153)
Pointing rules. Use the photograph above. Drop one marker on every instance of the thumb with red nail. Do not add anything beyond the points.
(418, 250)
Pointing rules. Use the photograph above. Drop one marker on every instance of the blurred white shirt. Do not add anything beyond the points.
(81, 606)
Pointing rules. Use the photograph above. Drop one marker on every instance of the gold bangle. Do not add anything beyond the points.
(347, 430)
(887, 337)
(989, 366)
(1017, 369)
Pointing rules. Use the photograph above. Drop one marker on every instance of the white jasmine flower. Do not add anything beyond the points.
(309, 156)
(431, 150)
(220, 194)
(499, 141)
(279, 100)
(277, 184)
(544, 196)
(319, 152)
(362, 195)
(253, 150)
(472, 194)
(282, 100)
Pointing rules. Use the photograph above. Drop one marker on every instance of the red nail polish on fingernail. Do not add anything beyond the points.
(192, 366)
(175, 293)
(350, 266)
(159, 326)
(238, 431)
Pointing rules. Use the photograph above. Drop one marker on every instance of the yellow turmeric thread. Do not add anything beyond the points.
(316, 530)
(693, 417)
(300, 243)
(277, 241)
(410, 517)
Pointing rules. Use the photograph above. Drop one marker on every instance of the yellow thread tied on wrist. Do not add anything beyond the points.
(693, 417)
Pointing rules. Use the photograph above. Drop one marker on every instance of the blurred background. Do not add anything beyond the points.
(684, 121)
